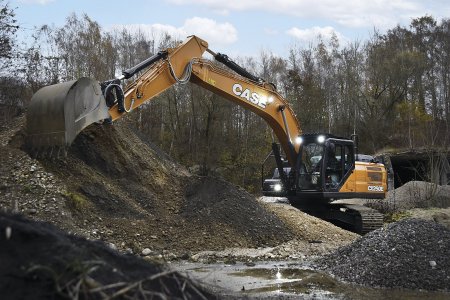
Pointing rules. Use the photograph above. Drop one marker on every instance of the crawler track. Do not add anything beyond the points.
(366, 219)
(353, 217)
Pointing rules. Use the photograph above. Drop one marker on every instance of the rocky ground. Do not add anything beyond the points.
(39, 261)
(412, 254)
(117, 188)
(416, 194)
(312, 237)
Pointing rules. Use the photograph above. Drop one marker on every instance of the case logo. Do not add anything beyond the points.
(250, 96)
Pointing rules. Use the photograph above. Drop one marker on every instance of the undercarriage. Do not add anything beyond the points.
(354, 217)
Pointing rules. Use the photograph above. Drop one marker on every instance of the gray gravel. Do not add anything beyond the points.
(411, 253)
(417, 194)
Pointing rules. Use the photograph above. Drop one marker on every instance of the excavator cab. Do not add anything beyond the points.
(324, 164)
(326, 171)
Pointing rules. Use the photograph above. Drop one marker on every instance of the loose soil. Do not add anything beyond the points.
(117, 187)
(39, 261)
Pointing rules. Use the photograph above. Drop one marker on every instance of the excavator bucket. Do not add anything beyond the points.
(57, 113)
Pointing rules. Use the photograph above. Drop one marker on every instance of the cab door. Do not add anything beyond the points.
(338, 164)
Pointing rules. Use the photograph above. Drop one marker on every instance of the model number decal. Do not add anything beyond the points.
(250, 96)
(375, 188)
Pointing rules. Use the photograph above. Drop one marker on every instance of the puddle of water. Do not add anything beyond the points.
(278, 273)
(290, 280)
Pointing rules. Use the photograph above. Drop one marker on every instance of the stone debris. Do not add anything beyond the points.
(417, 194)
(412, 254)
(146, 251)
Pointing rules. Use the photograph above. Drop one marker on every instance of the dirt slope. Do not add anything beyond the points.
(118, 188)
(418, 194)
(114, 187)
(69, 267)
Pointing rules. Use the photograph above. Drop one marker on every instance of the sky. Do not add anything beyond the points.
(238, 27)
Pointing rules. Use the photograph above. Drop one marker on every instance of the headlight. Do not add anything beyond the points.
(277, 187)
(321, 139)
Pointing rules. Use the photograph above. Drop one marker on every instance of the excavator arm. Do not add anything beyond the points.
(184, 64)
(169, 67)
(58, 113)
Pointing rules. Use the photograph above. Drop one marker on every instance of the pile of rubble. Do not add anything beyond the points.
(417, 194)
(114, 186)
(411, 253)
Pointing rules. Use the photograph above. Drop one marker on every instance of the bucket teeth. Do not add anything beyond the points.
(62, 152)
(49, 153)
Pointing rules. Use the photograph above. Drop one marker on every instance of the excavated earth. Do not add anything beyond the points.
(115, 194)
(112, 186)
(411, 254)
(117, 189)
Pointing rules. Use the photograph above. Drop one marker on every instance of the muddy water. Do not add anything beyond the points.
(288, 280)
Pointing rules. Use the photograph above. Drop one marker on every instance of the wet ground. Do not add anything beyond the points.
(274, 199)
(287, 280)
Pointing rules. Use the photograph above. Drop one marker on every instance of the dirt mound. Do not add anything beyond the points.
(417, 194)
(115, 187)
(214, 200)
(67, 267)
(411, 253)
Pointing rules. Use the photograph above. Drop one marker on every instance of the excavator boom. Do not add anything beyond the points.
(260, 98)
(57, 113)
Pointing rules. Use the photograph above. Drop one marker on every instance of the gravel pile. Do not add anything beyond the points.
(418, 194)
(26, 187)
(411, 253)
(212, 201)
(112, 186)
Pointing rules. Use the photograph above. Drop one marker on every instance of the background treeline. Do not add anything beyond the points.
(393, 89)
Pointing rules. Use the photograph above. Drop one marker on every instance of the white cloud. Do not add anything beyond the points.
(311, 34)
(351, 13)
(223, 33)
(223, 6)
(40, 2)
(220, 34)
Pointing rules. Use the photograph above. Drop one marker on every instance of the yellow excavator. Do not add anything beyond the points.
(322, 166)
